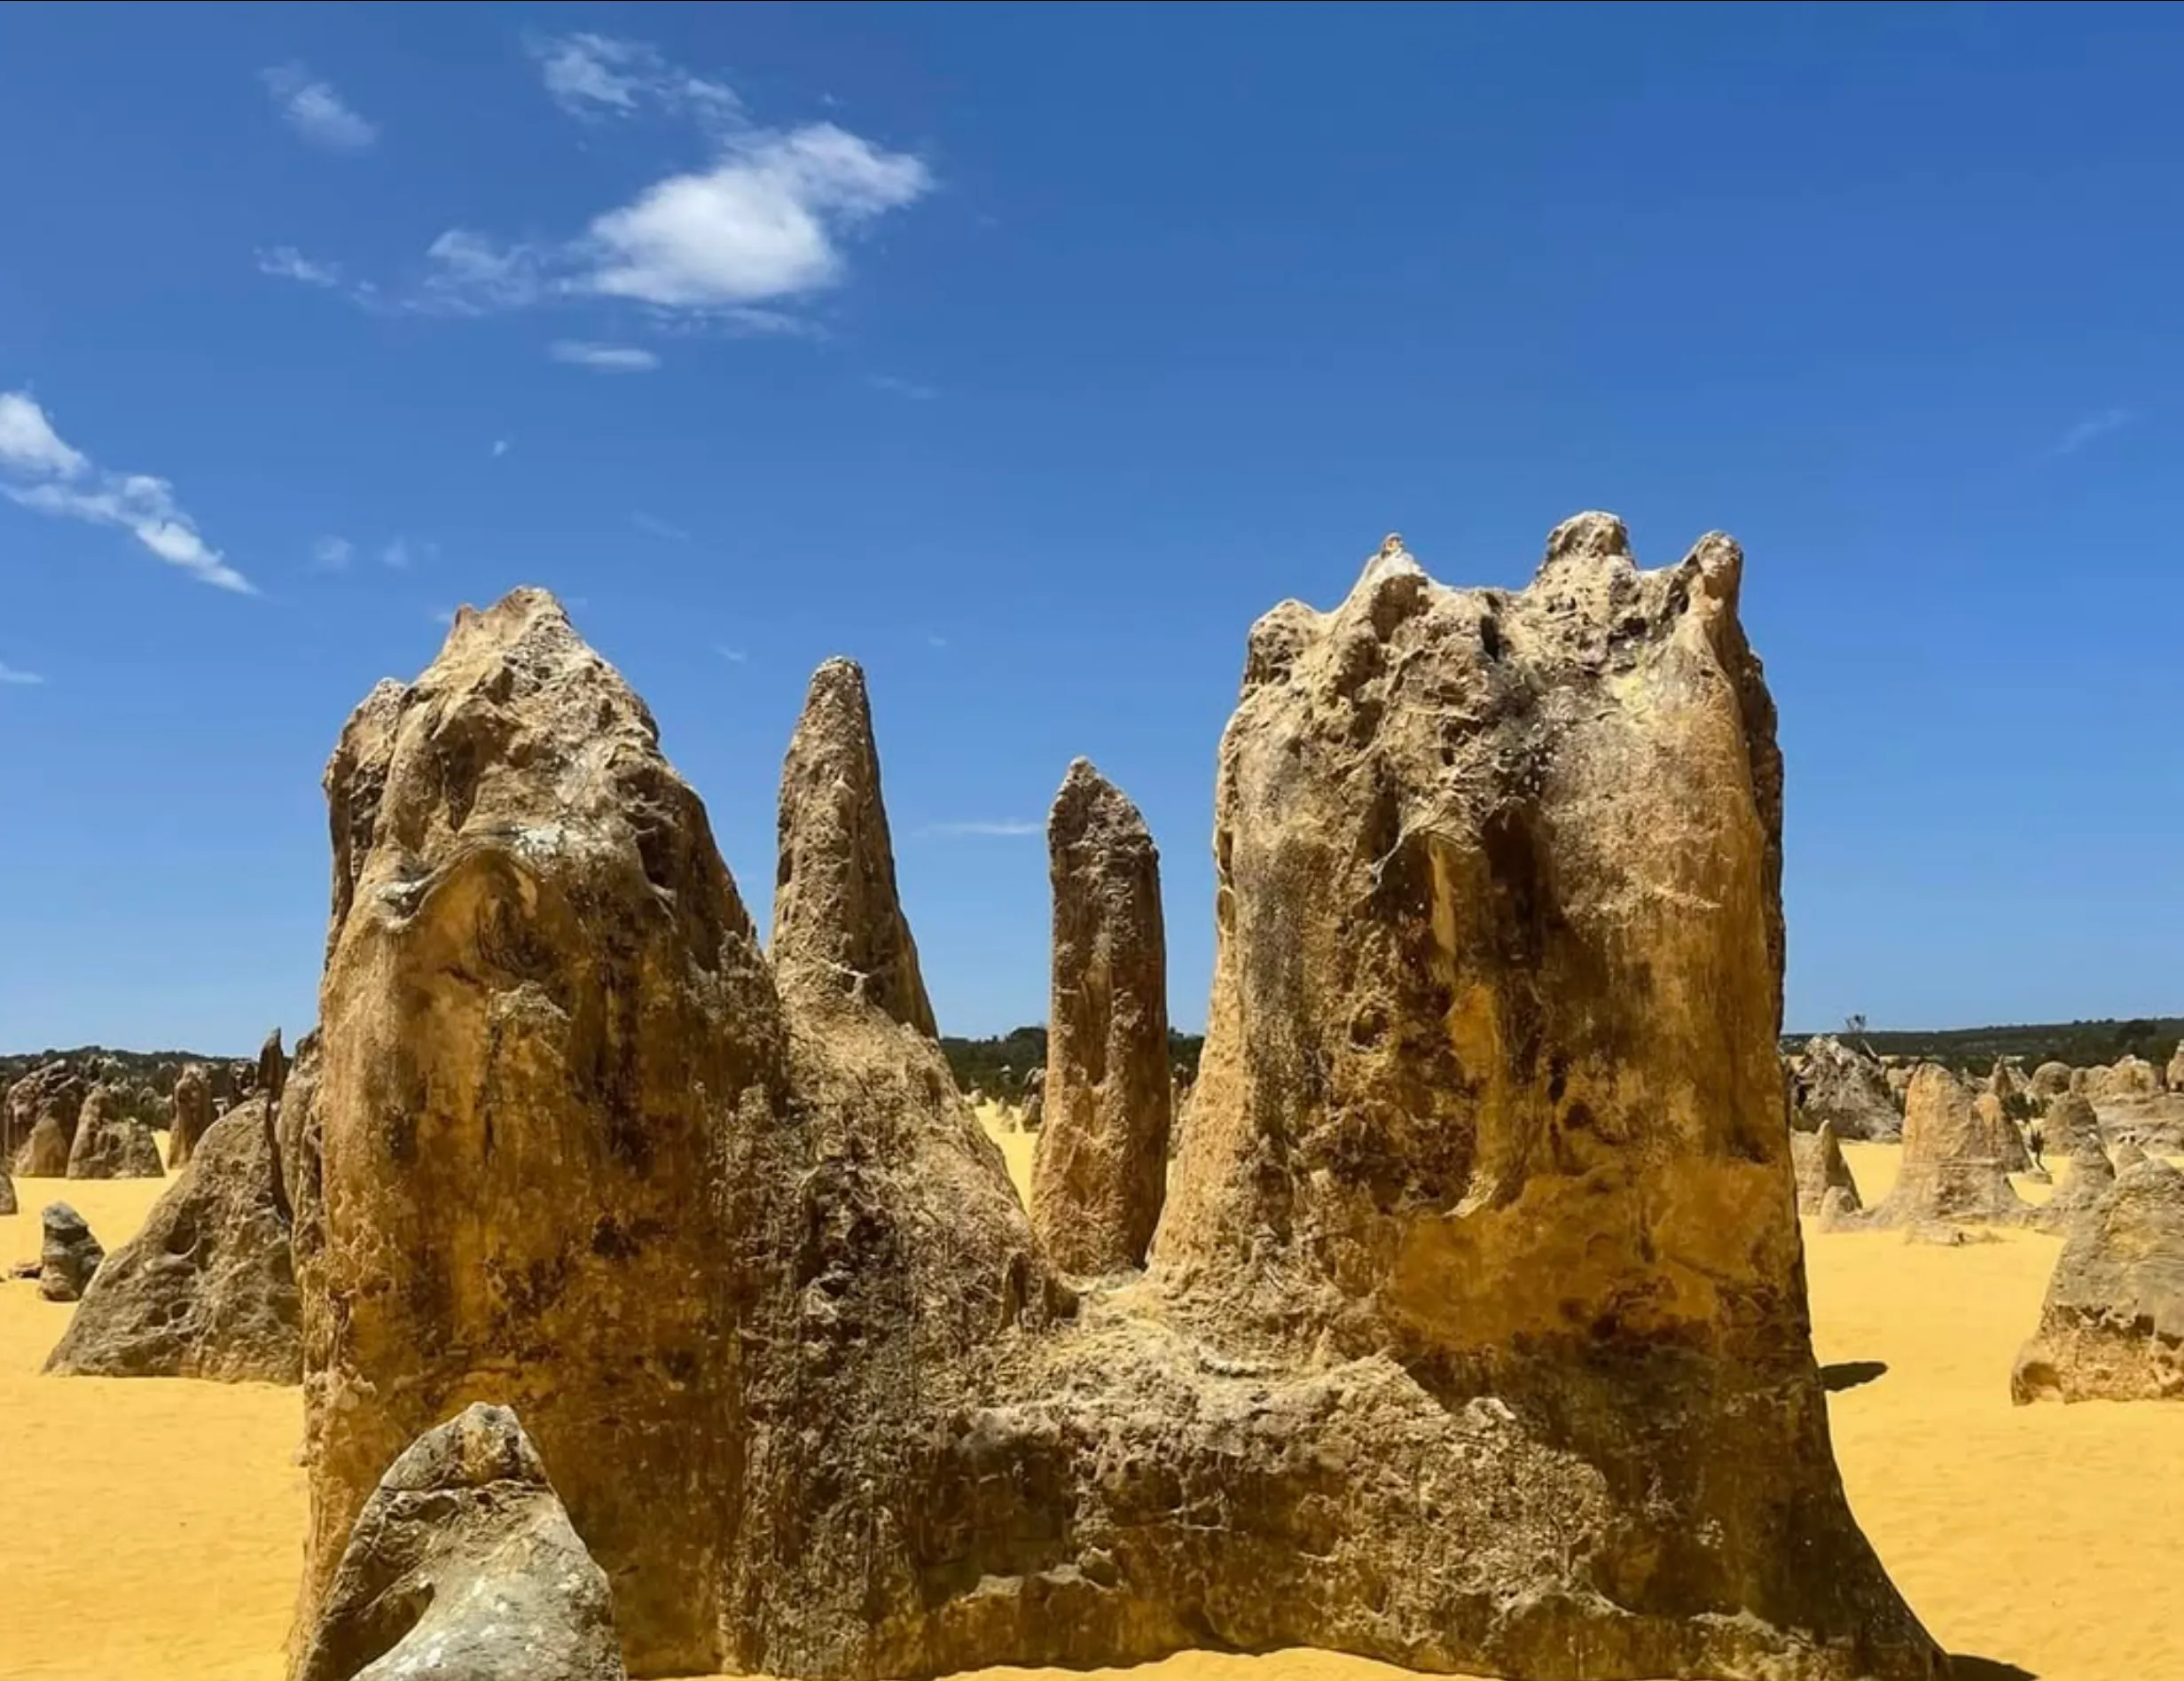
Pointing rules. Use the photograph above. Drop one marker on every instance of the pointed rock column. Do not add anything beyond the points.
(837, 919)
(1101, 1176)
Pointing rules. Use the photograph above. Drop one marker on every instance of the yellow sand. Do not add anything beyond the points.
(153, 1529)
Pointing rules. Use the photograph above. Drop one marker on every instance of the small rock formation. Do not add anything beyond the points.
(2051, 1080)
(1956, 1161)
(44, 1108)
(2070, 1127)
(1849, 1089)
(2112, 1327)
(71, 1254)
(836, 870)
(193, 1113)
(2009, 1143)
(1101, 1170)
(1474, 1334)
(2090, 1179)
(2173, 1076)
(2127, 1155)
(109, 1145)
(207, 1289)
(7, 1192)
(463, 1565)
(2129, 1080)
(1821, 1168)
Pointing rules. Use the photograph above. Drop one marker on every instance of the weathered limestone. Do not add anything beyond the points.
(1994, 1122)
(2173, 1077)
(1490, 1086)
(2089, 1181)
(1849, 1088)
(1101, 1170)
(543, 1006)
(70, 1255)
(1956, 1159)
(463, 1566)
(1474, 1337)
(2129, 1079)
(44, 1109)
(2112, 1327)
(7, 1191)
(832, 892)
(206, 1289)
(2070, 1127)
(193, 1113)
(1821, 1168)
(109, 1145)
(2050, 1080)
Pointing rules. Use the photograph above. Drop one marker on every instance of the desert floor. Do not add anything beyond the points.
(153, 1529)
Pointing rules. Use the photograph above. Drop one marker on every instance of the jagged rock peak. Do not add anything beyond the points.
(838, 921)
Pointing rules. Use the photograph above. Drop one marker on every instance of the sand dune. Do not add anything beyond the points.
(154, 1528)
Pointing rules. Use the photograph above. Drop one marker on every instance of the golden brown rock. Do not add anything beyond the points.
(1848, 1088)
(206, 1288)
(1101, 1170)
(44, 1109)
(837, 919)
(2112, 1327)
(192, 1107)
(2089, 1181)
(109, 1145)
(2070, 1126)
(542, 1004)
(1955, 1161)
(2050, 1080)
(1821, 1168)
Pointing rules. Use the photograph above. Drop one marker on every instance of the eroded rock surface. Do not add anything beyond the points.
(837, 917)
(2112, 1327)
(207, 1289)
(70, 1255)
(1475, 1336)
(44, 1109)
(1849, 1088)
(2070, 1126)
(1956, 1158)
(2091, 1178)
(1101, 1170)
(1820, 1170)
(110, 1144)
(193, 1114)
(463, 1566)
(7, 1192)
(2050, 1080)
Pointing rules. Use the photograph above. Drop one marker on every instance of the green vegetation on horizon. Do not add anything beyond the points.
(1000, 1065)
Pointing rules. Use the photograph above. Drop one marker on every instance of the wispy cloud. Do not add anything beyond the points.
(935, 641)
(2090, 430)
(332, 554)
(604, 358)
(735, 656)
(500, 448)
(1007, 826)
(314, 110)
(9, 674)
(400, 552)
(443, 615)
(659, 527)
(909, 389)
(763, 226)
(595, 77)
(46, 474)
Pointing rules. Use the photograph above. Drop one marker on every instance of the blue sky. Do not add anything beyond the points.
(1026, 354)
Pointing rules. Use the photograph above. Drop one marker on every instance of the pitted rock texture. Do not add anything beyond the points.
(1957, 1158)
(109, 1145)
(1101, 1170)
(838, 922)
(69, 1256)
(44, 1109)
(2112, 1327)
(463, 1566)
(207, 1287)
(1475, 1336)
(2091, 1178)
(1820, 1170)
(2070, 1126)
(542, 1004)
(1849, 1089)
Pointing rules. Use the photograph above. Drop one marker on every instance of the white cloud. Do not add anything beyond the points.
(935, 641)
(332, 554)
(314, 111)
(22, 679)
(443, 615)
(659, 527)
(2091, 429)
(400, 551)
(500, 448)
(593, 75)
(29, 444)
(606, 358)
(1007, 826)
(909, 389)
(763, 224)
(471, 274)
(735, 656)
(65, 484)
